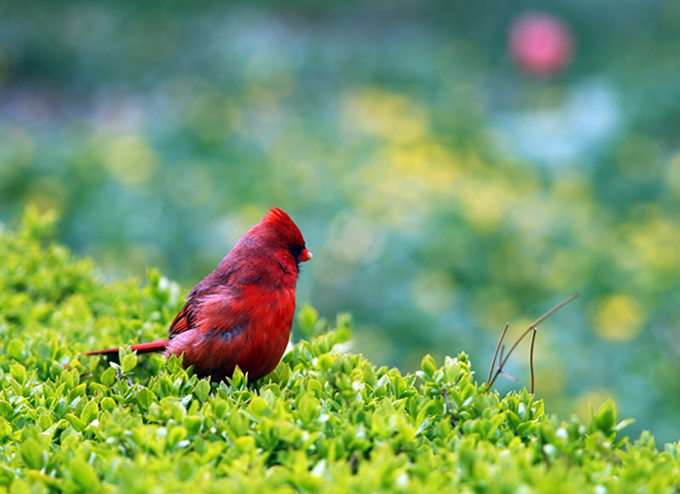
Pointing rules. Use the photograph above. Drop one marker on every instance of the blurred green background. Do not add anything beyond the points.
(444, 185)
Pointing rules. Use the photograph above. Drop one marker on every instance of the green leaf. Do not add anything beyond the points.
(428, 366)
(325, 361)
(605, 419)
(83, 475)
(153, 276)
(193, 424)
(238, 379)
(75, 422)
(176, 435)
(308, 407)
(108, 377)
(107, 404)
(129, 363)
(89, 412)
(307, 319)
(257, 406)
(623, 424)
(33, 454)
(145, 398)
(202, 390)
(15, 349)
(45, 422)
(18, 372)
(6, 409)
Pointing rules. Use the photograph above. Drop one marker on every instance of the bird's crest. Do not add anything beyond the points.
(288, 230)
(276, 215)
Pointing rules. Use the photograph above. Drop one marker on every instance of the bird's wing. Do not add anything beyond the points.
(205, 302)
(184, 320)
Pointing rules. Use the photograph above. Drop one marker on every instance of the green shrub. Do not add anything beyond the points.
(323, 421)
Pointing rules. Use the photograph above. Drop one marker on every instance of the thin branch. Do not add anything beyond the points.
(495, 354)
(503, 361)
(505, 374)
(545, 457)
(353, 462)
(531, 358)
(536, 323)
(453, 419)
(554, 309)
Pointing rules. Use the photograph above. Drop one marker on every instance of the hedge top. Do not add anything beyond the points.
(324, 421)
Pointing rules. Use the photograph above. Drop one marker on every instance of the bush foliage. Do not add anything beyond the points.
(323, 421)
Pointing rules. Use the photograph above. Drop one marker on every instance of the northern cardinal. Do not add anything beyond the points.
(241, 313)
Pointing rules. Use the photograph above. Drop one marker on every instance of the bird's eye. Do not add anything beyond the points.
(297, 250)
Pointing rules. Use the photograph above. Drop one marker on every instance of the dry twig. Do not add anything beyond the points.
(504, 358)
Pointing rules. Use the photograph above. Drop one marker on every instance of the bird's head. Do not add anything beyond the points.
(282, 233)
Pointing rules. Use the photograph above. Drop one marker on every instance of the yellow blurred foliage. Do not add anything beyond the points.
(549, 380)
(129, 159)
(484, 202)
(655, 242)
(493, 308)
(402, 185)
(617, 317)
(573, 186)
(47, 193)
(428, 161)
(391, 116)
(567, 269)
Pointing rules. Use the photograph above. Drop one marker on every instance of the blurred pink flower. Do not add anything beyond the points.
(540, 44)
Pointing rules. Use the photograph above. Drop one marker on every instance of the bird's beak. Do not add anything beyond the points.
(305, 255)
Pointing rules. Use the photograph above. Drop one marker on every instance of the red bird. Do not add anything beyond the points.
(241, 313)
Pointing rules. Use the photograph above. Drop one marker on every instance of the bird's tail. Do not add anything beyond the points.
(150, 347)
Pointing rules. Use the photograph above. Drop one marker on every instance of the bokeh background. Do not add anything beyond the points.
(453, 165)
